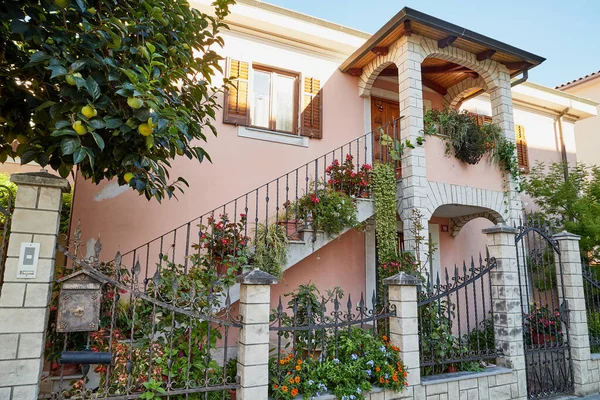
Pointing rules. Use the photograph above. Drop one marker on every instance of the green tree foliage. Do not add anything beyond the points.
(119, 88)
(571, 204)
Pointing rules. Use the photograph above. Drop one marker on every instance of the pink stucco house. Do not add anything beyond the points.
(306, 88)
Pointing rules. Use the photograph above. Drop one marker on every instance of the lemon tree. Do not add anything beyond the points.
(117, 88)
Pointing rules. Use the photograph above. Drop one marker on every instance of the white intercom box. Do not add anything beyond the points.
(28, 260)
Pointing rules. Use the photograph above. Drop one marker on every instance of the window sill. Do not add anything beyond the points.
(456, 376)
(271, 136)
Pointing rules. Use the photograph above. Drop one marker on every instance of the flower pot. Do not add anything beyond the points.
(541, 338)
(69, 369)
(452, 368)
(232, 394)
(291, 229)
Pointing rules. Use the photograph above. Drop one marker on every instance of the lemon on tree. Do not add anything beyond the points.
(70, 78)
(128, 176)
(134, 102)
(79, 127)
(89, 111)
(146, 128)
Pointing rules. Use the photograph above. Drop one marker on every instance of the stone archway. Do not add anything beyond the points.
(456, 93)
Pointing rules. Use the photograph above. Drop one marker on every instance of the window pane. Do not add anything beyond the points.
(261, 98)
(284, 95)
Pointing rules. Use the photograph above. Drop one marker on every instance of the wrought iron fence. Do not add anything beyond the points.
(456, 318)
(312, 329)
(591, 285)
(281, 200)
(167, 334)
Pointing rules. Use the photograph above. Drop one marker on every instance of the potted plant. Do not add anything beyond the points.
(328, 210)
(270, 248)
(543, 324)
(289, 221)
(347, 178)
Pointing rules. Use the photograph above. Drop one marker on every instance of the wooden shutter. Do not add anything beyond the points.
(312, 109)
(522, 152)
(236, 94)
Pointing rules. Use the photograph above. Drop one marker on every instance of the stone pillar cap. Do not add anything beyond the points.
(256, 277)
(500, 228)
(564, 235)
(42, 178)
(402, 279)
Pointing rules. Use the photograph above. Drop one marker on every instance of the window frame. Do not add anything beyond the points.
(273, 71)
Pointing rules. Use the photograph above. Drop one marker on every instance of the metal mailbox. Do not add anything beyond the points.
(79, 303)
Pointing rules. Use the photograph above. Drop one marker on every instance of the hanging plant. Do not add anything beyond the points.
(270, 248)
(383, 180)
(465, 138)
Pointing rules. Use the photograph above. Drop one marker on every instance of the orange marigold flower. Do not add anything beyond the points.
(294, 392)
(387, 381)
(275, 386)
(405, 383)
(395, 378)
(377, 369)
(381, 380)
(281, 362)
(297, 379)
(385, 338)
(395, 348)
(289, 373)
(284, 389)
(299, 362)
(291, 381)
(298, 368)
(405, 374)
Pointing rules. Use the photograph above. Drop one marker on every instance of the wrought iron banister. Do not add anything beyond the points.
(275, 202)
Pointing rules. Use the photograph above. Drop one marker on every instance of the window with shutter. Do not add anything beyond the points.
(236, 95)
(312, 109)
(522, 152)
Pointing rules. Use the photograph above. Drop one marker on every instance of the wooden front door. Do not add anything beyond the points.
(383, 114)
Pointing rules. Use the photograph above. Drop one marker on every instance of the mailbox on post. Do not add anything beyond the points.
(79, 303)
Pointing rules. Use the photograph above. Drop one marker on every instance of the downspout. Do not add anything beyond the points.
(563, 150)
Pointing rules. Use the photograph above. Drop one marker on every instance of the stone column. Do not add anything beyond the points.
(571, 291)
(506, 302)
(253, 342)
(404, 327)
(414, 176)
(24, 302)
(502, 115)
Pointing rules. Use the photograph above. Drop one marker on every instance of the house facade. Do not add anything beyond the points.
(306, 90)
(586, 134)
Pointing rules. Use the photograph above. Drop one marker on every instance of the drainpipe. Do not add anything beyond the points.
(563, 150)
(512, 84)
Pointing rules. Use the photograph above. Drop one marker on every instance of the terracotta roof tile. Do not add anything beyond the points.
(578, 79)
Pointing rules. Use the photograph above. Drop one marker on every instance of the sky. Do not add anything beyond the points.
(566, 33)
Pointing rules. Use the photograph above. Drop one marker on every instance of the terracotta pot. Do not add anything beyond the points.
(232, 394)
(69, 369)
(541, 338)
(291, 229)
(452, 368)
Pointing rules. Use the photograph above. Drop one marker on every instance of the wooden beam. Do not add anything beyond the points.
(517, 65)
(355, 71)
(484, 55)
(407, 28)
(441, 69)
(380, 51)
(434, 86)
(447, 41)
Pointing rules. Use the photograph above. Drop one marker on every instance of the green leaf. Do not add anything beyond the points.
(151, 47)
(92, 87)
(113, 123)
(99, 140)
(64, 132)
(77, 65)
(80, 82)
(69, 145)
(38, 56)
(79, 155)
(57, 70)
(97, 123)
(28, 156)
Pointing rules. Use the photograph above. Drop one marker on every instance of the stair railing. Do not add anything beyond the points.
(276, 202)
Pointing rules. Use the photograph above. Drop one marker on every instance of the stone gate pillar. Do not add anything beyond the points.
(24, 301)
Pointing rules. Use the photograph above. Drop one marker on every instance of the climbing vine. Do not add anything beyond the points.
(383, 180)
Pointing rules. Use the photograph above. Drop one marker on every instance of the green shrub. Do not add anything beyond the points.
(270, 249)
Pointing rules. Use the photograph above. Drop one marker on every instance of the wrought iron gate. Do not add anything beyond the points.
(545, 313)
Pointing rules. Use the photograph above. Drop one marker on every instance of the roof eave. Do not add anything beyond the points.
(413, 15)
